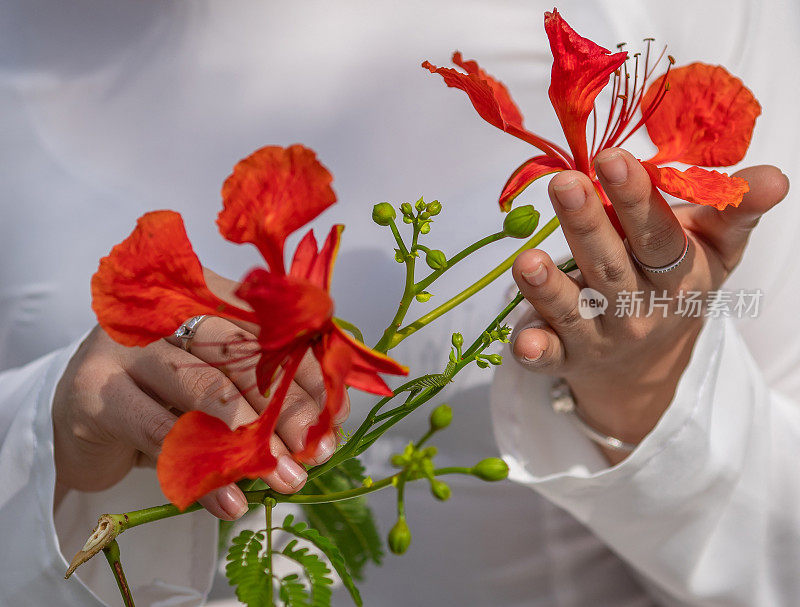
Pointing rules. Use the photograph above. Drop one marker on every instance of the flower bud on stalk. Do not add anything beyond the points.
(435, 207)
(521, 222)
(406, 209)
(436, 259)
(400, 536)
(491, 469)
(458, 340)
(495, 359)
(441, 417)
(440, 490)
(383, 213)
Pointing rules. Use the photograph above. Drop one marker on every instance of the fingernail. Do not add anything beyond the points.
(325, 448)
(570, 195)
(533, 359)
(232, 501)
(290, 472)
(613, 168)
(537, 277)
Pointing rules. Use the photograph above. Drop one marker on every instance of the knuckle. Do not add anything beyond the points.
(205, 384)
(611, 269)
(585, 226)
(567, 318)
(633, 194)
(155, 428)
(657, 239)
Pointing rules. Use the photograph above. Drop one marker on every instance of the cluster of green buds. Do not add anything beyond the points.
(420, 214)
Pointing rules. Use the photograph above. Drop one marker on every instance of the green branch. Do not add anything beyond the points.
(113, 557)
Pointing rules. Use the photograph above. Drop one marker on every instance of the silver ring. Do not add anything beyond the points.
(187, 330)
(670, 266)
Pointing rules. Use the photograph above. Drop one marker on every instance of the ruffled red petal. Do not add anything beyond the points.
(706, 118)
(346, 362)
(581, 69)
(201, 453)
(528, 172)
(272, 193)
(152, 282)
(699, 186)
(317, 267)
(489, 96)
(286, 308)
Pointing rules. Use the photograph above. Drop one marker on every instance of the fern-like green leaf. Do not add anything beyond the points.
(316, 571)
(247, 569)
(293, 592)
(329, 549)
(348, 524)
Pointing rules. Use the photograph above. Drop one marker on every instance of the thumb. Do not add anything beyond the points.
(728, 230)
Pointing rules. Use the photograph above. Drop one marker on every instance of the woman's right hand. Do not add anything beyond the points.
(115, 405)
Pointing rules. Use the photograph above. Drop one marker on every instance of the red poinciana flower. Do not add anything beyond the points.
(698, 114)
(153, 281)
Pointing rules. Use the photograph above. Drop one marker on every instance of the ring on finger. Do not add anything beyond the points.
(670, 266)
(188, 330)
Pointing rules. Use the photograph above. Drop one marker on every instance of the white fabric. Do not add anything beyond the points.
(112, 109)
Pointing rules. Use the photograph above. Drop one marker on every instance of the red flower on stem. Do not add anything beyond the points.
(152, 282)
(698, 114)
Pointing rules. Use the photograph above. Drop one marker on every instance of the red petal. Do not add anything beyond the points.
(152, 282)
(315, 267)
(286, 308)
(706, 118)
(345, 361)
(528, 172)
(581, 69)
(201, 453)
(698, 185)
(272, 193)
(489, 96)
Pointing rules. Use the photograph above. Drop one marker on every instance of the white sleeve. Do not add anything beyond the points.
(166, 563)
(707, 508)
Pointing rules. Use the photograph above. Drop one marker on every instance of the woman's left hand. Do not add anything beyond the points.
(623, 368)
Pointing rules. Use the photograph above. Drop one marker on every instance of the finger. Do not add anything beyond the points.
(597, 248)
(141, 422)
(728, 230)
(232, 349)
(309, 377)
(654, 233)
(552, 293)
(538, 348)
(186, 383)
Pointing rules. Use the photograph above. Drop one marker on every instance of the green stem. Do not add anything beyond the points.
(269, 504)
(487, 279)
(113, 557)
(425, 282)
(405, 299)
(396, 233)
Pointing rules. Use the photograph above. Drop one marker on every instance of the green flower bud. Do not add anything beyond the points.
(491, 469)
(407, 219)
(436, 259)
(423, 296)
(420, 205)
(430, 451)
(383, 213)
(435, 207)
(521, 222)
(399, 536)
(458, 340)
(481, 363)
(441, 417)
(425, 227)
(398, 461)
(424, 215)
(440, 490)
(495, 359)
(398, 256)
(406, 209)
